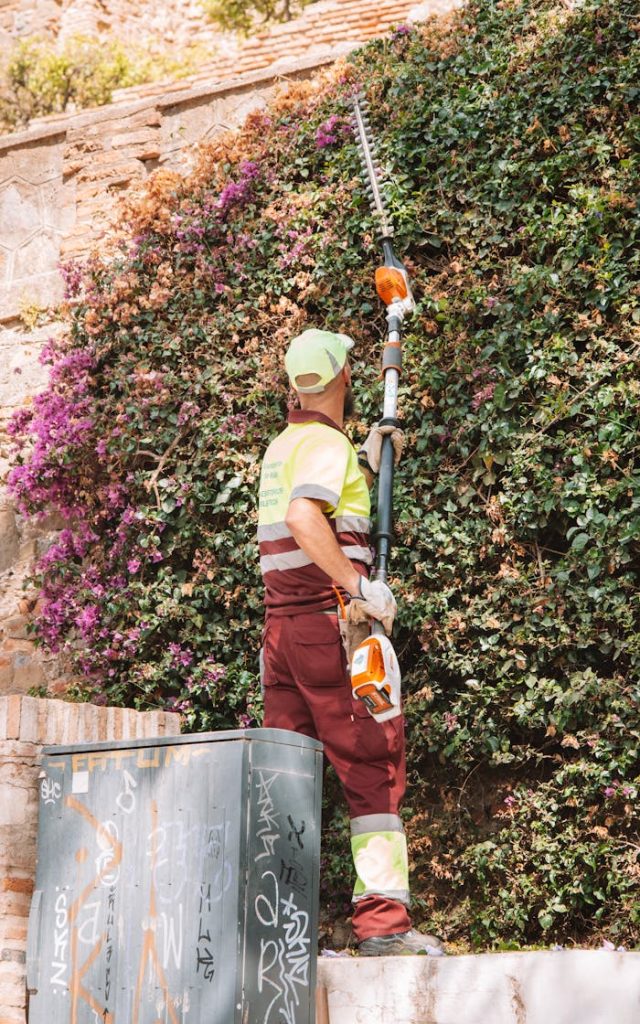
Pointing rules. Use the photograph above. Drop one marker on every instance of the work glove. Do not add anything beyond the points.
(371, 450)
(375, 601)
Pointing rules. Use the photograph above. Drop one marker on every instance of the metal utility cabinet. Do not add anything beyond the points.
(177, 881)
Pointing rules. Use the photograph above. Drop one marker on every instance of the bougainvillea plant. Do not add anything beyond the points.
(510, 136)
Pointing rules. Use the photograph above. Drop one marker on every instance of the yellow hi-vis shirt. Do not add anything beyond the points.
(312, 458)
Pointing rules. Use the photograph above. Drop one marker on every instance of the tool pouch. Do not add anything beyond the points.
(352, 635)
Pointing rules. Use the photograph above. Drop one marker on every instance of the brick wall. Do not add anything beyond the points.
(26, 725)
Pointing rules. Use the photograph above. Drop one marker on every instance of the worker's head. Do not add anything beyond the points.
(318, 367)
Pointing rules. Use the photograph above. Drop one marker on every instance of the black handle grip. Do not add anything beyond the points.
(383, 536)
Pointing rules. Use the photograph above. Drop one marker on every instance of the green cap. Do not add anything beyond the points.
(322, 353)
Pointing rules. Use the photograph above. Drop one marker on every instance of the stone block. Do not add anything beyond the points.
(16, 768)
(37, 256)
(13, 929)
(148, 724)
(15, 628)
(12, 992)
(20, 212)
(18, 851)
(113, 724)
(58, 200)
(15, 903)
(88, 715)
(139, 138)
(14, 884)
(9, 538)
(29, 720)
(12, 721)
(9, 644)
(28, 550)
(101, 723)
(66, 730)
(6, 673)
(13, 812)
(27, 672)
(16, 956)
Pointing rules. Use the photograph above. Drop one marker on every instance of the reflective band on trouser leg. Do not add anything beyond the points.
(379, 850)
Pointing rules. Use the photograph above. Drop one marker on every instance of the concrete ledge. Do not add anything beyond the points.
(564, 987)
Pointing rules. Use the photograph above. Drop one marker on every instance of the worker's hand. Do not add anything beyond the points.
(375, 601)
(371, 450)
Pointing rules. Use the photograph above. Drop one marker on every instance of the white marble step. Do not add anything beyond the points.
(563, 987)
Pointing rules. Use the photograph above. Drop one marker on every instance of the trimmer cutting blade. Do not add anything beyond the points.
(367, 150)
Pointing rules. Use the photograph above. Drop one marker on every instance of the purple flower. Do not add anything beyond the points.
(238, 424)
(133, 564)
(87, 619)
(451, 721)
(173, 704)
(482, 396)
(187, 411)
(181, 657)
(214, 675)
(326, 134)
(239, 193)
(72, 274)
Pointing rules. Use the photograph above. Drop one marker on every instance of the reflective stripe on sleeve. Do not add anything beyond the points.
(315, 491)
(352, 524)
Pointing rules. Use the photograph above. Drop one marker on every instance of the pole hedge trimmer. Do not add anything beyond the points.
(375, 674)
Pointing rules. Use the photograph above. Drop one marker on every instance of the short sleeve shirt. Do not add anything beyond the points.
(312, 458)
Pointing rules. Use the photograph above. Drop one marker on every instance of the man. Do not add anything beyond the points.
(313, 531)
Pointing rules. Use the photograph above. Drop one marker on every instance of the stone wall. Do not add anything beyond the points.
(26, 725)
(60, 182)
(60, 188)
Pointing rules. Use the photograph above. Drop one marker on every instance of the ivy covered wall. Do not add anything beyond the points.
(510, 135)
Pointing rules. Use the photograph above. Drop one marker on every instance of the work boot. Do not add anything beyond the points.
(409, 943)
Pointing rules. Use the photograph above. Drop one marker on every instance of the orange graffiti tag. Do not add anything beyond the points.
(78, 971)
(149, 948)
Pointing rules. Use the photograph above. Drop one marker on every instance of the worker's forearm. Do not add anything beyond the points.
(368, 476)
(313, 534)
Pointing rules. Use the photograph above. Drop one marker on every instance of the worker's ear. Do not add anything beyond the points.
(346, 373)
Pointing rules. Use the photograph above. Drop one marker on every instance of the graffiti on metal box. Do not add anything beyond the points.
(174, 886)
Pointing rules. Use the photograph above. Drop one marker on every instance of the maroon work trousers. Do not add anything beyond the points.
(307, 689)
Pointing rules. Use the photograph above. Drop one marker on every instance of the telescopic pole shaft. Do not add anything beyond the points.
(383, 535)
